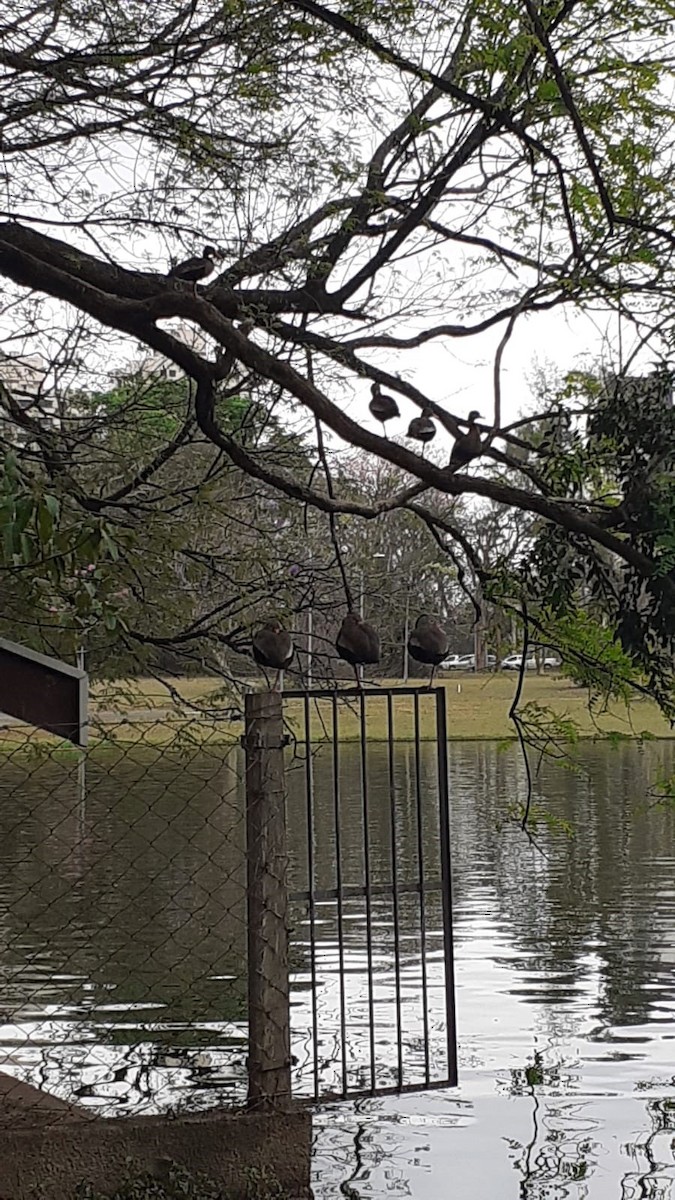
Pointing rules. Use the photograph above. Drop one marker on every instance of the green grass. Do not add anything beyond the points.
(151, 693)
(477, 708)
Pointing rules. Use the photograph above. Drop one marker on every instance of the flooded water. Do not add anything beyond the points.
(565, 967)
(122, 964)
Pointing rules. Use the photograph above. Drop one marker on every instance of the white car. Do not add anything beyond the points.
(458, 662)
(512, 662)
(466, 662)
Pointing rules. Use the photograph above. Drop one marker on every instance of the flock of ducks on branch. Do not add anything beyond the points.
(422, 429)
(357, 643)
(383, 407)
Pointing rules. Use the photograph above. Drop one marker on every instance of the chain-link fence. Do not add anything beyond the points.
(150, 884)
(123, 915)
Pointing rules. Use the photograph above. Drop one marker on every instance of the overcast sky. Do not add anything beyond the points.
(459, 373)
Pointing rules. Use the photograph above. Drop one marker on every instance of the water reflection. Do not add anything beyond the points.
(566, 1002)
(122, 933)
(122, 953)
(407, 994)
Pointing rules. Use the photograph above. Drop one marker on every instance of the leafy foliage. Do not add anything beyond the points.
(593, 657)
(383, 181)
(55, 561)
(614, 620)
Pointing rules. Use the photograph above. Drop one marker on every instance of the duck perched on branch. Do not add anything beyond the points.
(422, 428)
(383, 407)
(197, 268)
(273, 648)
(357, 643)
(467, 445)
(428, 643)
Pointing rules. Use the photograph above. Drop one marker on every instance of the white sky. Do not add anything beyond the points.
(459, 373)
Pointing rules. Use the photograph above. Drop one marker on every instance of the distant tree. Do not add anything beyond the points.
(187, 555)
(381, 179)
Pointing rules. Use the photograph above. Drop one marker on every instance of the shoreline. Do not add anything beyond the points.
(142, 712)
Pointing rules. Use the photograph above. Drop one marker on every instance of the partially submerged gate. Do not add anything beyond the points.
(371, 951)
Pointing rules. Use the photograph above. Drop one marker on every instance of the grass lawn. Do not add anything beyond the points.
(477, 708)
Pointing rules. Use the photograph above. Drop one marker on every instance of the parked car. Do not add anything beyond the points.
(551, 662)
(490, 661)
(458, 662)
(512, 662)
(466, 662)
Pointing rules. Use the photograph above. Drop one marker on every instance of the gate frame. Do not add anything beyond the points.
(339, 893)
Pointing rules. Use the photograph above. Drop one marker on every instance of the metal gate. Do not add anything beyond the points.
(373, 1007)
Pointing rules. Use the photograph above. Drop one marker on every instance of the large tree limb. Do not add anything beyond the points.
(138, 317)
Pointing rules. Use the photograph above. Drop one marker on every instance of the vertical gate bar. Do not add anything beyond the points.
(423, 911)
(446, 881)
(338, 888)
(367, 884)
(394, 889)
(309, 791)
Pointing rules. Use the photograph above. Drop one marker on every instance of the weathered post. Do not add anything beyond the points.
(269, 1049)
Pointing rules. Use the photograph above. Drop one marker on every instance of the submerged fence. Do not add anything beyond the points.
(203, 912)
(374, 907)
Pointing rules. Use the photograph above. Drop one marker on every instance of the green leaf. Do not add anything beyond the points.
(548, 90)
(26, 548)
(10, 467)
(8, 542)
(24, 511)
(109, 546)
(44, 523)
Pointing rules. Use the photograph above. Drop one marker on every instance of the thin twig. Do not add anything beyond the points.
(498, 368)
(332, 519)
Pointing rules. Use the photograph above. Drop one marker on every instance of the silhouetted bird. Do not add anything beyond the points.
(194, 269)
(428, 643)
(467, 445)
(357, 643)
(422, 429)
(273, 647)
(383, 407)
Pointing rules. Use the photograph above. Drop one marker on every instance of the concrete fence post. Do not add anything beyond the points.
(269, 1052)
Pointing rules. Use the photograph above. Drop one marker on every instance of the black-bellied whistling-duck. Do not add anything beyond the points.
(428, 643)
(422, 429)
(357, 643)
(273, 647)
(467, 445)
(383, 407)
(194, 269)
